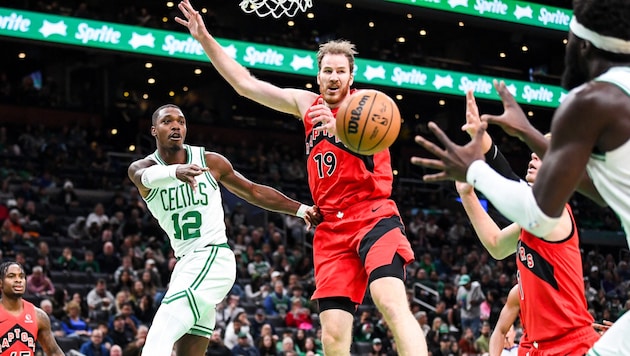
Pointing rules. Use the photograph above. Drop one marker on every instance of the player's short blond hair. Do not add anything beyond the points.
(344, 47)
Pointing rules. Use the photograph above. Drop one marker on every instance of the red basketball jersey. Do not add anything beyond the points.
(338, 177)
(18, 333)
(551, 286)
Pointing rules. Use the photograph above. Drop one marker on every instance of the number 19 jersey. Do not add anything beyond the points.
(191, 219)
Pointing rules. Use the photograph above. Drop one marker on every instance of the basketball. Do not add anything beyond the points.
(368, 122)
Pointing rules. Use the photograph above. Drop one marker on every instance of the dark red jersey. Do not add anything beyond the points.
(338, 177)
(18, 333)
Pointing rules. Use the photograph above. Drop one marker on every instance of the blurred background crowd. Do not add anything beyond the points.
(98, 263)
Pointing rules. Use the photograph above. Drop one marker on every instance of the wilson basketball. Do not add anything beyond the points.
(369, 122)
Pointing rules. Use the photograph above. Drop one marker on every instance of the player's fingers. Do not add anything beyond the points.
(441, 136)
(436, 177)
(430, 146)
(492, 119)
(428, 163)
(504, 93)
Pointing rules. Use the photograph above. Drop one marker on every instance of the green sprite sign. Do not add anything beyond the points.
(148, 41)
(525, 13)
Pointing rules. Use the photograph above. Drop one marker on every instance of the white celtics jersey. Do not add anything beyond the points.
(191, 219)
(610, 171)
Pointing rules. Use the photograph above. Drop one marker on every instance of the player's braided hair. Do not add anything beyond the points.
(606, 17)
(157, 111)
(4, 267)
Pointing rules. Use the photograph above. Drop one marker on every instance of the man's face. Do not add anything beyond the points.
(532, 168)
(574, 73)
(14, 282)
(334, 79)
(170, 127)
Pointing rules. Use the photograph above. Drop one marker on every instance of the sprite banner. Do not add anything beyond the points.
(521, 12)
(154, 42)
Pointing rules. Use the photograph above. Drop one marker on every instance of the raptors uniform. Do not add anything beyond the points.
(18, 334)
(206, 267)
(553, 306)
(352, 192)
(610, 173)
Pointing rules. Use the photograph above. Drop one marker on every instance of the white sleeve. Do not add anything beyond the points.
(513, 199)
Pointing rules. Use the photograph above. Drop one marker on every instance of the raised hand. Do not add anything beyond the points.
(194, 21)
(513, 120)
(473, 121)
(453, 161)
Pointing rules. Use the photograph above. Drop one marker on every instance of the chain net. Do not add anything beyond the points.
(275, 8)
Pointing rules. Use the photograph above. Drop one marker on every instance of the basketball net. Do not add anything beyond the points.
(276, 8)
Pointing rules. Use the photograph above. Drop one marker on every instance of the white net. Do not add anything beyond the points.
(275, 8)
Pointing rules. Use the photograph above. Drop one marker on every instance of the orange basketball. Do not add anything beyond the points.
(368, 122)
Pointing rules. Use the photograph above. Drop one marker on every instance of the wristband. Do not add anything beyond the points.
(302, 211)
(158, 175)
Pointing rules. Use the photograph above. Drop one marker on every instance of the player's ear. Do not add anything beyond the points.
(153, 131)
(351, 81)
(318, 82)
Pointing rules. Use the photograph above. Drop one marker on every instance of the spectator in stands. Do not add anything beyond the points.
(298, 316)
(267, 346)
(467, 342)
(119, 333)
(99, 299)
(377, 348)
(116, 350)
(237, 326)
(135, 347)
(239, 215)
(482, 343)
(108, 259)
(435, 334)
(423, 320)
(469, 298)
(131, 321)
(257, 323)
(67, 262)
(127, 265)
(216, 346)
(89, 264)
(288, 346)
(244, 346)
(145, 309)
(150, 287)
(277, 302)
(95, 346)
(97, 216)
(55, 324)
(150, 267)
(39, 284)
(78, 230)
(20, 258)
(73, 324)
(259, 267)
(67, 197)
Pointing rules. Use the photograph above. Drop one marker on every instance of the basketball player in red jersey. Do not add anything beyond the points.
(550, 281)
(361, 241)
(21, 323)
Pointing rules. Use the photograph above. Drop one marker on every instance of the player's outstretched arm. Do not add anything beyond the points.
(514, 122)
(291, 101)
(260, 195)
(45, 336)
(506, 320)
(500, 243)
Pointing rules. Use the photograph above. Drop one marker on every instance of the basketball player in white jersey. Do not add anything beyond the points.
(590, 142)
(180, 184)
